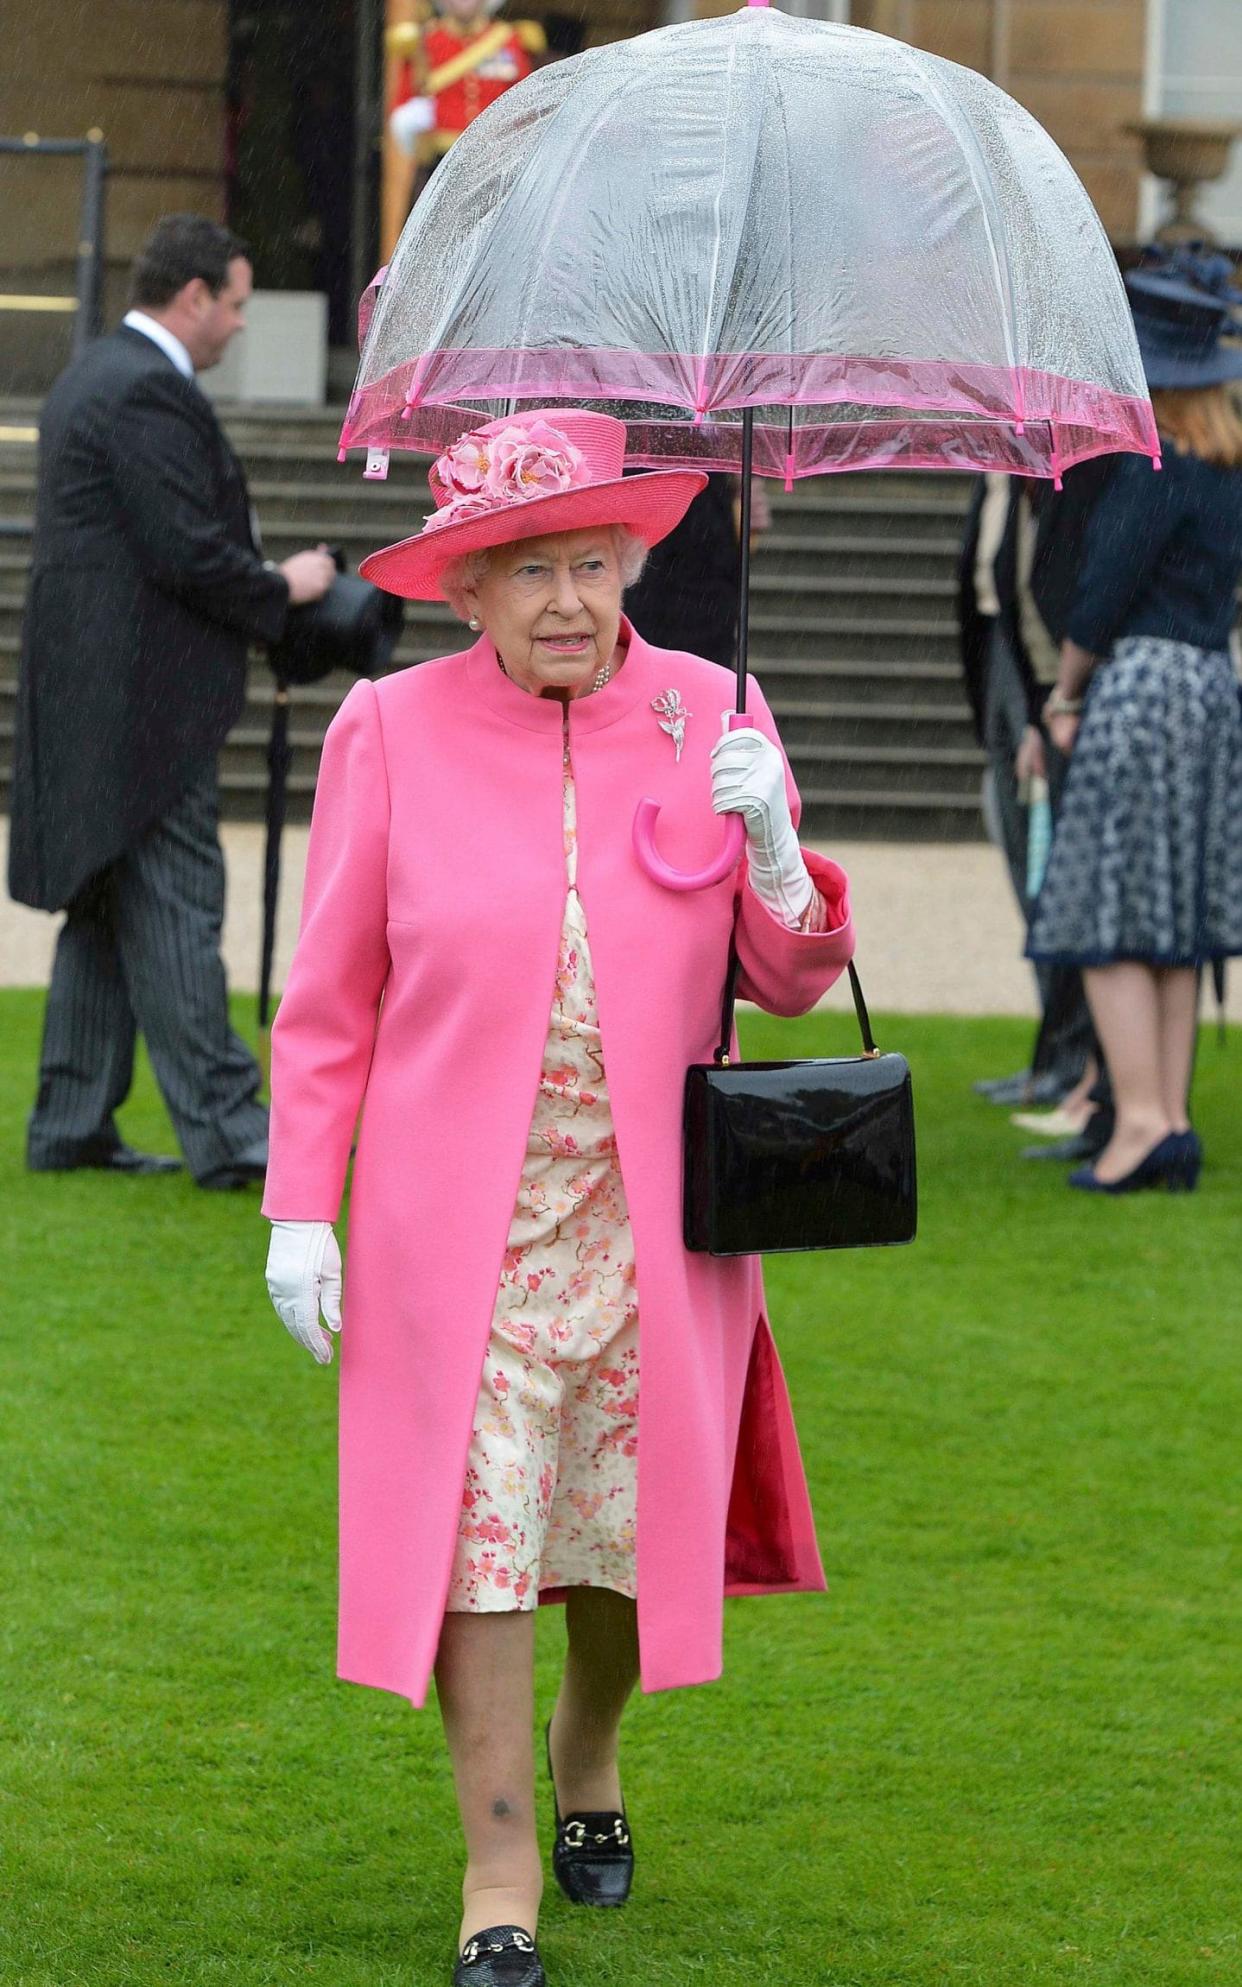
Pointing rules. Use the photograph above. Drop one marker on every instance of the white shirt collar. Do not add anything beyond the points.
(159, 334)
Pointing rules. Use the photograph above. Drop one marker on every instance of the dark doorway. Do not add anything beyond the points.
(293, 143)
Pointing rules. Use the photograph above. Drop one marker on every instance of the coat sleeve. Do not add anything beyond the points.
(786, 971)
(1127, 534)
(162, 472)
(325, 1030)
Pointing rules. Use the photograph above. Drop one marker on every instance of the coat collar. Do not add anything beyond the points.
(632, 682)
(159, 334)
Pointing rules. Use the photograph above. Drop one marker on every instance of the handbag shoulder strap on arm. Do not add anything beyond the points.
(723, 1053)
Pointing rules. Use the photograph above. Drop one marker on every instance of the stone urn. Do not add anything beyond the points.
(1187, 151)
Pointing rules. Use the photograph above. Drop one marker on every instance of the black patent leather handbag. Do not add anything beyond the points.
(782, 1156)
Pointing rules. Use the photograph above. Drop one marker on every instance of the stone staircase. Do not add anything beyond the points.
(852, 626)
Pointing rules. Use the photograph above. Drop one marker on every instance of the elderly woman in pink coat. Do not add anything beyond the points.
(544, 1397)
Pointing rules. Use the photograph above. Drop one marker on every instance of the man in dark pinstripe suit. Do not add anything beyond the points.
(146, 589)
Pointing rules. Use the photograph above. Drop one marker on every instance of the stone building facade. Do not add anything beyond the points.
(1076, 65)
(246, 107)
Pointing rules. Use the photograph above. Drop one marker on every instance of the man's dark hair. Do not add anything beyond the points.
(179, 248)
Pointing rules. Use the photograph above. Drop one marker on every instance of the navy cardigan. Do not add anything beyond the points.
(1163, 555)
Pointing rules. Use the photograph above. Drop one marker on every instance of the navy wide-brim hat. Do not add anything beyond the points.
(1185, 310)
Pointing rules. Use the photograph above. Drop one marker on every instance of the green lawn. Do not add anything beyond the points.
(1004, 1749)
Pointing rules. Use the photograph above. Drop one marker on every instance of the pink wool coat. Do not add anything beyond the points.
(421, 989)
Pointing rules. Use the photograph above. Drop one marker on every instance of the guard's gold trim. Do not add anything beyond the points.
(479, 51)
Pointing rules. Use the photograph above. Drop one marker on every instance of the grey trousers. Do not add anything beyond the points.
(140, 950)
(1066, 1036)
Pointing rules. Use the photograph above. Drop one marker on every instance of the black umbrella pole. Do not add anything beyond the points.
(279, 758)
(743, 589)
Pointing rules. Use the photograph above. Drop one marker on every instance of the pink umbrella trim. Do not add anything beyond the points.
(1018, 419)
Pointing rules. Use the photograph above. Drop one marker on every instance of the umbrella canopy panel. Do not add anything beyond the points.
(877, 251)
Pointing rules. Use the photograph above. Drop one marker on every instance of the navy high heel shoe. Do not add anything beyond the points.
(593, 1855)
(1173, 1163)
(1191, 1161)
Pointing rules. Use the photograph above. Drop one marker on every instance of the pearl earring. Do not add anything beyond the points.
(474, 623)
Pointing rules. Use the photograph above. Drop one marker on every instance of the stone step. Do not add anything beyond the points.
(863, 726)
(861, 680)
(921, 768)
(792, 556)
(821, 585)
(877, 638)
(883, 814)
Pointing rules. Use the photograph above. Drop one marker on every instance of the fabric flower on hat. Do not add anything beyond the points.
(464, 468)
(458, 509)
(532, 462)
(514, 465)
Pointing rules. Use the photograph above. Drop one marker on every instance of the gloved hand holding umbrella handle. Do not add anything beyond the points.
(748, 775)
(652, 862)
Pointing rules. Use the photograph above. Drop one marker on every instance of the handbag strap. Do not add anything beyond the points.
(723, 1054)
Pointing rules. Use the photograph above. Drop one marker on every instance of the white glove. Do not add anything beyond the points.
(748, 778)
(304, 1278)
(410, 121)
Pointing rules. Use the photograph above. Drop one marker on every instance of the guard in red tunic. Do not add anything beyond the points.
(452, 68)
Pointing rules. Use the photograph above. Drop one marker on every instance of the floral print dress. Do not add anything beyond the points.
(549, 1498)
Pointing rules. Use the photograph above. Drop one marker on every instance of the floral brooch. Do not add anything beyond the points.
(672, 714)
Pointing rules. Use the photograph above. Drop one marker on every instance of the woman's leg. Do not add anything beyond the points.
(1178, 992)
(1125, 1006)
(485, 1685)
(601, 1669)
(1077, 1103)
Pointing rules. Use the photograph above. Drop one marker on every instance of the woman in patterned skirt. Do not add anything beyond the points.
(1144, 881)
(544, 1395)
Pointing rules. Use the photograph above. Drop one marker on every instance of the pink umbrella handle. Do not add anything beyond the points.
(646, 815)
(650, 859)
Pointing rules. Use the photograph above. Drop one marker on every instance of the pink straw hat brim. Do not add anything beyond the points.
(650, 506)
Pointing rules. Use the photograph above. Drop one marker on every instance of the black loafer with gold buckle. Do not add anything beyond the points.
(593, 1854)
(503, 1956)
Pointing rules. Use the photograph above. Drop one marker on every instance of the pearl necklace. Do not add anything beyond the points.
(601, 676)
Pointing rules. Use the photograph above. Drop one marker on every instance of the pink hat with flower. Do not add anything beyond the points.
(554, 469)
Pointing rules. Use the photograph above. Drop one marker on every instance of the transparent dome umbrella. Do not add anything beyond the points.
(766, 243)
